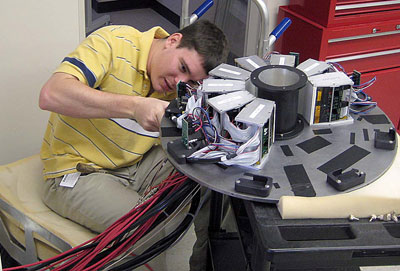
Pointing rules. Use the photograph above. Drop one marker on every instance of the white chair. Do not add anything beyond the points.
(29, 230)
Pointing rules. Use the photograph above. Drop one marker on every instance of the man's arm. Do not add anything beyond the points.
(65, 94)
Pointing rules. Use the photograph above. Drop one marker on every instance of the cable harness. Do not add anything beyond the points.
(126, 244)
(361, 103)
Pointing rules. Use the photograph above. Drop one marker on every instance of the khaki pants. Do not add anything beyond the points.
(99, 199)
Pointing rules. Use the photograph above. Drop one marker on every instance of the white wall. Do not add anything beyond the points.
(35, 36)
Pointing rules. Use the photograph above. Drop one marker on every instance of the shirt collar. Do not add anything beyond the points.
(145, 44)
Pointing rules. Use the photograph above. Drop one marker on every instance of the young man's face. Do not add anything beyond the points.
(173, 64)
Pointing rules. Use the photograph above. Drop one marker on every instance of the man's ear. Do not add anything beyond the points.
(173, 40)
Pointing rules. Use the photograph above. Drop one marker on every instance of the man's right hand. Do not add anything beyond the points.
(148, 112)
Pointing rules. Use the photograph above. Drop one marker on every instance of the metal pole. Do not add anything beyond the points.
(184, 14)
(264, 28)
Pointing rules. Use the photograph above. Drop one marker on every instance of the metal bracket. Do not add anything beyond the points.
(29, 254)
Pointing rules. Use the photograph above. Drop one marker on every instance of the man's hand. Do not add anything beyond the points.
(148, 112)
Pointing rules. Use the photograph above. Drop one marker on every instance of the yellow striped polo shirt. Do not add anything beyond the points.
(111, 59)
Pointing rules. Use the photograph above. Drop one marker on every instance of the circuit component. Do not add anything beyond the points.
(180, 150)
(261, 113)
(326, 99)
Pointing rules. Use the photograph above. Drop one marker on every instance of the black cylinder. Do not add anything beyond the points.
(280, 84)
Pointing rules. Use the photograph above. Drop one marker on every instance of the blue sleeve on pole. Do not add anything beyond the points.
(203, 8)
(284, 24)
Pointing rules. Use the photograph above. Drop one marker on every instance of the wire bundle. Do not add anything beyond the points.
(227, 152)
(362, 103)
(201, 121)
(241, 149)
(116, 242)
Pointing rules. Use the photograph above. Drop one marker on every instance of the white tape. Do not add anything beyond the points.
(255, 65)
(258, 109)
(229, 71)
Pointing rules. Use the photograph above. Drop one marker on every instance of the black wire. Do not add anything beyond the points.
(165, 242)
(169, 209)
(141, 220)
(42, 265)
(210, 160)
(171, 198)
(160, 204)
(203, 160)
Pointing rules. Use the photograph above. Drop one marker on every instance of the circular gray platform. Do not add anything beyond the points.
(299, 166)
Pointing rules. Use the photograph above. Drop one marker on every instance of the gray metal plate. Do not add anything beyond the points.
(225, 102)
(375, 163)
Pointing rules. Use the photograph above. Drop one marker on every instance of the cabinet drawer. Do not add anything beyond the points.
(362, 8)
(331, 13)
(368, 62)
(365, 38)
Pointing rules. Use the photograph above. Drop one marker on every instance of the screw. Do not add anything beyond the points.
(387, 217)
(353, 218)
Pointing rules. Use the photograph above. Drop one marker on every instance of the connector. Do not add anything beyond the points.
(356, 77)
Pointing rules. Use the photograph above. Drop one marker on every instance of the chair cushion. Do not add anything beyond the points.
(20, 186)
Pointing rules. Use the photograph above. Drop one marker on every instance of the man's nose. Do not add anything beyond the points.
(183, 78)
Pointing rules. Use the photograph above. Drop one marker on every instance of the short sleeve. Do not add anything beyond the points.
(91, 60)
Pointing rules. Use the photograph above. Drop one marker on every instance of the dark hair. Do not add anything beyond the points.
(208, 40)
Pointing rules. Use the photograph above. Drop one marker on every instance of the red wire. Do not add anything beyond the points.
(173, 180)
(105, 238)
(129, 242)
(124, 247)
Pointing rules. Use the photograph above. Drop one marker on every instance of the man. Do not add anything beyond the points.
(108, 98)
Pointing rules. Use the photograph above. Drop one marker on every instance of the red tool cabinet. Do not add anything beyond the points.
(359, 35)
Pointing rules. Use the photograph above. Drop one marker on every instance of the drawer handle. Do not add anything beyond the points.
(367, 5)
(362, 56)
(377, 34)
